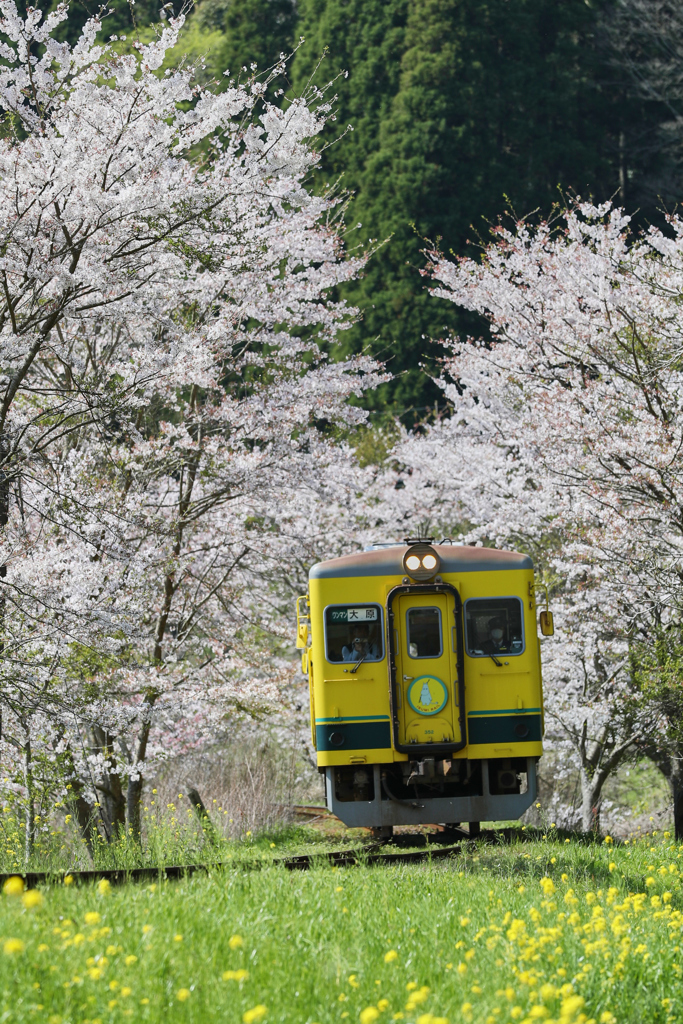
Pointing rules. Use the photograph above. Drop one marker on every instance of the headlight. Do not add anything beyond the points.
(421, 561)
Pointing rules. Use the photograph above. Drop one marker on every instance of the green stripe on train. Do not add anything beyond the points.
(345, 735)
(505, 729)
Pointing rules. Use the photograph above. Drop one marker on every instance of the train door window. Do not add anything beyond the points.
(424, 632)
(493, 625)
(353, 633)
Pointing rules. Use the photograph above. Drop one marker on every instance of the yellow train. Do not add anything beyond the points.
(424, 673)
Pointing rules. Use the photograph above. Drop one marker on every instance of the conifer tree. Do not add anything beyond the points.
(458, 109)
(254, 31)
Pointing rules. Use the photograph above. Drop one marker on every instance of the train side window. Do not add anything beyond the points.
(424, 632)
(493, 625)
(353, 633)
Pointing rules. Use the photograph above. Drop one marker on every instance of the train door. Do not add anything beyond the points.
(427, 669)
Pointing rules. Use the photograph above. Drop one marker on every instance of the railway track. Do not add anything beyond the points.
(370, 854)
(444, 843)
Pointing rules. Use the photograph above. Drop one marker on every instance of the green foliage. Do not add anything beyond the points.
(123, 17)
(251, 31)
(373, 443)
(458, 110)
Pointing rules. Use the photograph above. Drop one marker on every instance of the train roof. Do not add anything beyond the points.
(388, 561)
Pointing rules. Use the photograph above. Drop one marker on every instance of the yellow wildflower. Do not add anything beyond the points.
(548, 886)
(103, 886)
(235, 942)
(125, 991)
(255, 1014)
(14, 886)
(177, 938)
(572, 1005)
(130, 959)
(369, 1015)
(68, 879)
(239, 975)
(182, 994)
(32, 899)
(382, 1005)
(13, 946)
(353, 981)
(92, 917)
(390, 956)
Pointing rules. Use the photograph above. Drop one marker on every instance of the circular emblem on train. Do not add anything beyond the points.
(427, 695)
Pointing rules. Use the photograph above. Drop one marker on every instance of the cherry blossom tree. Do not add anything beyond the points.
(564, 439)
(166, 278)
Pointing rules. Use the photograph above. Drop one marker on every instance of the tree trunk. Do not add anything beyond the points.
(676, 783)
(30, 821)
(671, 767)
(110, 791)
(591, 790)
(134, 794)
(84, 814)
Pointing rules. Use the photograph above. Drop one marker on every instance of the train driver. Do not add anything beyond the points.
(361, 645)
(495, 644)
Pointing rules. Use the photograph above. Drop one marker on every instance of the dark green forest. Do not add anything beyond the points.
(463, 112)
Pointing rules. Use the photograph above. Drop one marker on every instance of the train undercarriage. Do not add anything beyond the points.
(431, 791)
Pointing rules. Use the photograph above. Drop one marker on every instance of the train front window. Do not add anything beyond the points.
(353, 633)
(424, 632)
(493, 625)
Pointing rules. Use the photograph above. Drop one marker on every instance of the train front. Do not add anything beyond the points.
(425, 684)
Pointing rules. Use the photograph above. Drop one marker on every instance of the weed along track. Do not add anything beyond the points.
(398, 850)
(370, 854)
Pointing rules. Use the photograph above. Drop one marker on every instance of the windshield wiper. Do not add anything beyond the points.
(359, 663)
(495, 660)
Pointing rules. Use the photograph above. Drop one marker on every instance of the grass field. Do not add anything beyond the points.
(541, 930)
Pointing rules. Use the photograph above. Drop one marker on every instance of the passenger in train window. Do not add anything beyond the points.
(360, 645)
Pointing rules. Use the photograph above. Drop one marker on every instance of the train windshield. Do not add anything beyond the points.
(424, 632)
(493, 625)
(353, 633)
